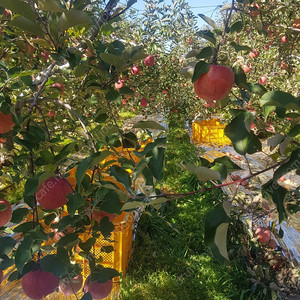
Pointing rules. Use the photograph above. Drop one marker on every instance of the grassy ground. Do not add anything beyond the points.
(170, 265)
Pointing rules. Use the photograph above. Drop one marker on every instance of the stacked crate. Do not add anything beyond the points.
(210, 132)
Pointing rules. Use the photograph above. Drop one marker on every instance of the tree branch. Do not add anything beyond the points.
(74, 112)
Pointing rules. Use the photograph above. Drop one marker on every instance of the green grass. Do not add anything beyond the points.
(170, 265)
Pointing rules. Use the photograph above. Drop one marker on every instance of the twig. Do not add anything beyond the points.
(46, 75)
(46, 126)
(247, 161)
(80, 87)
(74, 112)
(217, 186)
(215, 57)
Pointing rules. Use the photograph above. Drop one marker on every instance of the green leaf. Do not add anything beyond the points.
(87, 246)
(6, 245)
(203, 174)
(156, 163)
(112, 95)
(87, 296)
(121, 175)
(256, 88)
(294, 131)
(133, 205)
(238, 131)
(280, 99)
(106, 227)
(74, 202)
(239, 77)
(73, 18)
(20, 7)
(208, 35)
(236, 27)
(6, 263)
(125, 90)
(54, 265)
(23, 253)
(31, 186)
(18, 215)
(192, 53)
(104, 274)
(277, 193)
(50, 5)
(230, 165)
(148, 125)
(14, 276)
(24, 227)
(112, 59)
(38, 234)
(107, 249)
(293, 163)
(239, 48)
(111, 203)
(70, 239)
(151, 146)
(27, 25)
(216, 225)
(89, 163)
(208, 20)
(200, 68)
(205, 52)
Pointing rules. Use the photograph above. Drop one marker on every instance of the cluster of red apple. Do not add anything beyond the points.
(149, 61)
(38, 284)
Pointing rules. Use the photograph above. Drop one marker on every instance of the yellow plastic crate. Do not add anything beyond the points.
(118, 259)
(210, 132)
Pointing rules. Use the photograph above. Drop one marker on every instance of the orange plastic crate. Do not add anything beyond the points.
(210, 132)
(118, 259)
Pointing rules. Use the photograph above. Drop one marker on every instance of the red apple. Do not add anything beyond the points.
(134, 109)
(215, 84)
(190, 41)
(165, 92)
(5, 215)
(39, 284)
(2, 141)
(263, 80)
(51, 114)
(45, 55)
(284, 65)
(256, 12)
(254, 53)
(266, 47)
(96, 289)
(246, 69)
(58, 85)
(120, 84)
(284, 39)
(7, 13)
(70, 286)
(6, 122)
(272, 244)
(52, 193)
(149, 61)
(209, 104)
(263, 234)
(143, 102)
(235, 177)
(135, 70)
(124, 101)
